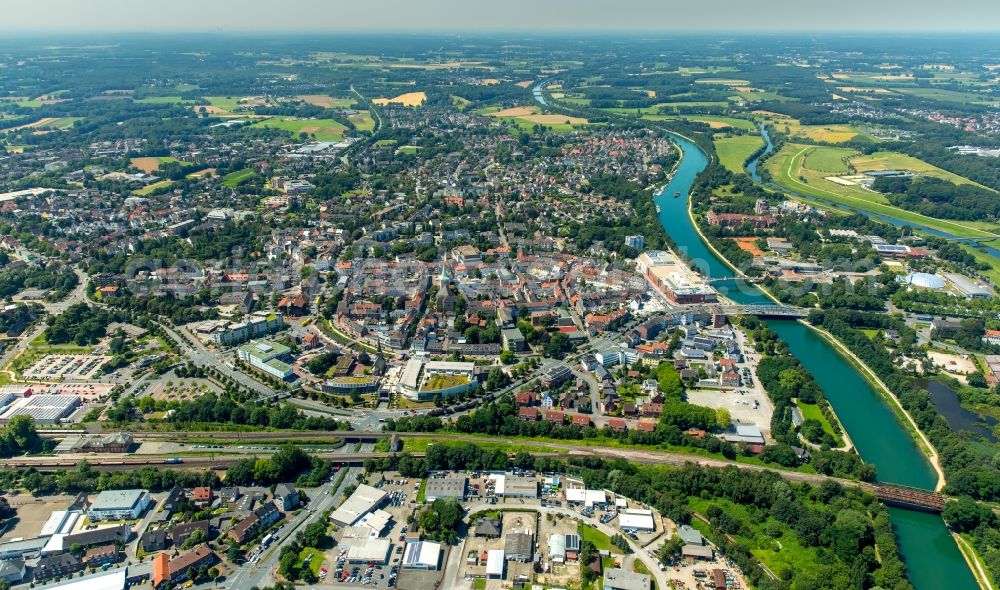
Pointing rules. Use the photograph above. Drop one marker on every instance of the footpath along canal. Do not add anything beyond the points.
(932, 558)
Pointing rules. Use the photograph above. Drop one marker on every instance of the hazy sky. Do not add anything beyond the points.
(496, 15)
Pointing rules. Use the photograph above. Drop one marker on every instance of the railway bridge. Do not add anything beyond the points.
(911, 498)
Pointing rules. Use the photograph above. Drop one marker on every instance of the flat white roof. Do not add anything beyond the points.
(360, 503)
(411, 373)
(422, 554)
(630, 520)
(376, 520)
(114, 580)
(60, 521)
(494, 562)
(369, 550)
(588, 497)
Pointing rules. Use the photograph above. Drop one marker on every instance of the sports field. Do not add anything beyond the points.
(804, 168)
(321, 129)
(734, 151)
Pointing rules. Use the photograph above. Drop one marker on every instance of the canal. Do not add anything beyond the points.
(932, 557)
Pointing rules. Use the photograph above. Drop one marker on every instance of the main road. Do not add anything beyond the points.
(326, 497)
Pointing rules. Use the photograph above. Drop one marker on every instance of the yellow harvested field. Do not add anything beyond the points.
(841, 76)
(205, 172)
(489, 81)
(555, 120)
(516, 112)
(745, 89)
(523, 83)
(147, 165)
(410, 99)
(895, 77)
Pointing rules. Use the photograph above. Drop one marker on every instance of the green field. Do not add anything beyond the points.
(233, 178)
(315, 562)
(944, 95)
(720, 122)
(804, 168)
(226, 103)
(601, 541)
(165, 100)
(734, 151)
(363, 121)
(146, 190)
(320, 129)
(813, 412)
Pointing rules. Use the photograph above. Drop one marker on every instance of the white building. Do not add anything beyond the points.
(119, 505)
(495, 563)
(369, 550)
(422, 555)
(364, 499)
(636, 520)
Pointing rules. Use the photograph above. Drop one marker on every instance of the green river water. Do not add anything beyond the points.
(931, 555)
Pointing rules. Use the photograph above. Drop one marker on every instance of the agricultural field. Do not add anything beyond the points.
(734, 151)
(410, 99)
(165, 100)
(48, 124)
(719, 122)
(151, 164)
(805, 169)
(327, 101)
(320, 129)
(528, 117)
(821, 133)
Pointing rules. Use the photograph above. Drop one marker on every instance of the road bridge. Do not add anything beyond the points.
(766, 310)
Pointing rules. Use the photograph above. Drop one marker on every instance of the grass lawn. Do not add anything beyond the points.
(804, 168)
(734, 151)
(408, 149)
(601, 541)
(320, 129)
(315, 562)
(459, 102)
(233, 178)
(384, 142)
(363, 121)
(422, 491)
(813, 412)
(152, 187)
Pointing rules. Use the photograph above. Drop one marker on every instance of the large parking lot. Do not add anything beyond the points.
(66, 366)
